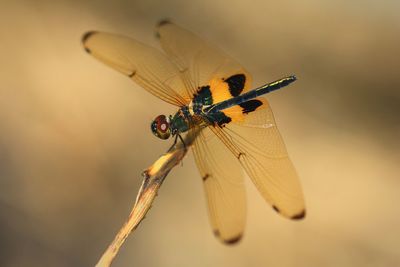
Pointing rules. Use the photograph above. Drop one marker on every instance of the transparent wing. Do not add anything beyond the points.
(147, 66)
(223, 183)
(198, 61)
(258, 145)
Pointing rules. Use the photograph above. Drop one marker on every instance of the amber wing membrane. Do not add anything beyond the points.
(258, 146)
(147, 66)
(199, 62)
(223, 183)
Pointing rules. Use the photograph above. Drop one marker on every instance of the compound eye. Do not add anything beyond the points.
(160, 127)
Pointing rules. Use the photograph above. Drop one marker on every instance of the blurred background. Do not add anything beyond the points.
(75, 136)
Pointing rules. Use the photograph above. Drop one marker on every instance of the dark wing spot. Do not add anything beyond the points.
(205, 177)
(132, 74)
(233, 240)
(163, 22)
(236, 84)
(250, 105)
(240, 154)
(230, 241)
(160, 24)
(299, 216)
(276, 208)
(86, 37)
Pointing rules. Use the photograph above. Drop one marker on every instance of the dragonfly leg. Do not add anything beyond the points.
(175, 141)
(184, 145)
(183, 142)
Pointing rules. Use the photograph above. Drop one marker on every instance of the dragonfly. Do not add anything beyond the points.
(236, 133)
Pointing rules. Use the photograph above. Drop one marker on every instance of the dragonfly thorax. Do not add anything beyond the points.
(163, 127)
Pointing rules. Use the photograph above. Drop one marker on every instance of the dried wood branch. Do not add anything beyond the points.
(153, 177)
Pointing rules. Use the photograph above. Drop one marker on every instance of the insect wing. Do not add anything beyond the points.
(256, 142)
(201, 64)
(223, 184)
(146, 65)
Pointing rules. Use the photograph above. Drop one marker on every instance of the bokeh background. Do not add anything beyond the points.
(74, 134)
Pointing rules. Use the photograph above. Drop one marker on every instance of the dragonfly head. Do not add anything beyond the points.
(160, 127)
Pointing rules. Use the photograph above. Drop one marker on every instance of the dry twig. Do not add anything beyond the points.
(153, 177)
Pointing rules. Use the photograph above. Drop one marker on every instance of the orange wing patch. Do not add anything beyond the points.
(238, 113)
(219, 90)
(226, 88)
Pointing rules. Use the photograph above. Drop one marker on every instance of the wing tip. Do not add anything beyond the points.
(85, 38)
(161, 23)
(231, 241)
(276, 209)
(205, 177)
(299, 216)
(234, 240)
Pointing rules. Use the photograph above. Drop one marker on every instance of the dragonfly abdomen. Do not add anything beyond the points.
(214, 114)
(269, 87)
